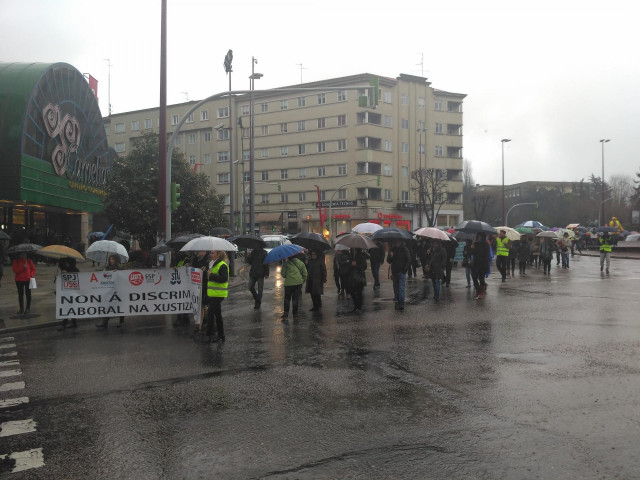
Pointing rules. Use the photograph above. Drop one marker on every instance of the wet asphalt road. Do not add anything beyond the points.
(538, 380)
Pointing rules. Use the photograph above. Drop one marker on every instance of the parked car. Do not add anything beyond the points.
(272, 241)
(634, 237)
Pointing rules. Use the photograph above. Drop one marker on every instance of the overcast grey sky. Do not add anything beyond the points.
(553, 76)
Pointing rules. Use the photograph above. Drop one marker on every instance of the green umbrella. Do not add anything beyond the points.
(525, 230)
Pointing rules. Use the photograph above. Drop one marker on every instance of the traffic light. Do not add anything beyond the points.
(175, 196)
(379, 179)
(273, 228)
(279, 187)
(375, 94)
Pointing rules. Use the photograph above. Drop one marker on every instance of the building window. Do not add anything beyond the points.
(302, 173)
(284, 198)
(264, 198)
(302, 149)
(404, 123)
(244, 110)
(223, 112)
(404, 99)
(206, 159)
(342, 145)
(264, 153)
(404, 196)
(223, 156)
(342, 96)
(178, 139)
(284, 104)
(421, 149)
(342, 120)
(322, 99)
(192, 138)
(264, 130)
(223, 178)
(189, 118)
(342, 194)
(283, 128)
(387, 121)
(175, 119)
(264, 175)
(118, 128)
(386, 97)
(438, 151)
(207, 137)
(342, 169)
(405, 171)
(387, 170)
(421, 103)
(264, 107)
(120, 147)
(323, 195)
(192, 159)
(284, 151)
(284, 174)
(421, 126)
(438, 105)
(387, 194)
(302, 125)
(223, 134)
(322, 147)
(226, 199)
(438, 128)
(148, 124)
(387, 145)
(246, 155)
(135, 125)
(204, 115)
(302, 101)
(321, 123)
(322, 171)
(405, 147)
(246, 177)
(302, 196)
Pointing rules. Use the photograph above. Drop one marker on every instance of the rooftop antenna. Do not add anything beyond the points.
(186, 96)
(109, 65)
(301, 68)
(421, 65)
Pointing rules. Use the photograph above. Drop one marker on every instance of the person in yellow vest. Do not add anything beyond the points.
(605, 241)
(501, 247)
(217, 291)
(615, 223)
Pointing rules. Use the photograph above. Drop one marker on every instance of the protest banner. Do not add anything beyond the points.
(128, 292)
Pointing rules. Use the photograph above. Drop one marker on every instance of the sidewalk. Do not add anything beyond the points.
(43, 300)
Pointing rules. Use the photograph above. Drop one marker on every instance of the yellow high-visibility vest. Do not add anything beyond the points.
(215, 289)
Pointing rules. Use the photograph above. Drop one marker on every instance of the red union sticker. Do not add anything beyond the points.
(136, 278)
(196, 276)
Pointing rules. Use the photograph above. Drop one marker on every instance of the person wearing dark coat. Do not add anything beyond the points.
(357, 278)
(344, 270)
(400, 261)
(376, 256)
(336, 270)
(466, 261)
(258, 272)
(450, 249)
(423, 246)
(481, 263)
(316, 278)
(524, 252)
(412, 246)
(437, 266)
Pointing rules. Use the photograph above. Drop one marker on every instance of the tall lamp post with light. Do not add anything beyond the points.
(603, 141)
(252, 200)
(503, 141)
(420, 187)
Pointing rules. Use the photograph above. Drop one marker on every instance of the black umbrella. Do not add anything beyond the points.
(391, 234)
(23, 248)
(247, 240)
(475, 226)
(355, 240)
(181, 240)
(311, 241)
(606, 229)
(158, 249)
(4, 236)
(220, 232)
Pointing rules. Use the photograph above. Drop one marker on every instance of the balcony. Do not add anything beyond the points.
(454, 129)
(368, 168)
(454, 152)
(369, 193)
(369, 143)
(368, 118)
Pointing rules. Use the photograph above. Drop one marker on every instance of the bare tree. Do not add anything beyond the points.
(480, 205)
(432, 187)
(621, 189)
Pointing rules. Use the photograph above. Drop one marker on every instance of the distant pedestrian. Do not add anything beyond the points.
(376, 256)
(294, 273)
(344, 270)
(481, 264)
(524, 252)
(217, 291)
(565, 245)
(357, 278)
(400, 261)
(605, 241)
(466, 261)
(113, 265)
(502, 253)
(436, 268)
(449, 248)
(316, 278)
(337, 258)
(24, 271)
(546, 255)
(258, 272)
(413, 264)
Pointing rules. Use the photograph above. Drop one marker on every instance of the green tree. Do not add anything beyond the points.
(131, 203)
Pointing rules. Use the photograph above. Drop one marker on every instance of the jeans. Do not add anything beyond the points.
(565, 259)
(292, 295)
(436, 287)
(257, 296)
(605, 256)
(375, 270)
(467, 272)
(399, 280)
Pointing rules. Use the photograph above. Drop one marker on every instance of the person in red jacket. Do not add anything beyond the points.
(24, 270)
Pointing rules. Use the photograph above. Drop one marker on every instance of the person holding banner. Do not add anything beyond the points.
(113, 264)
(217, 291)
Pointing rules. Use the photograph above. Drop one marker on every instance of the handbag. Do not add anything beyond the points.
(32, 283)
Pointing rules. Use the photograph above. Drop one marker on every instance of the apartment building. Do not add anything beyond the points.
(319, 151)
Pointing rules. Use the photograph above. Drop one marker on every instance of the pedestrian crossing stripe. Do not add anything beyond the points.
(10, 363)
(6, 339)
(5, 387)
(17, 427)
(26, 460)
(12, 402)
(10, 373)
(8, 354)
(7, 345)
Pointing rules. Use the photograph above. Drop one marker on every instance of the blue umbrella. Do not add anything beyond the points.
(282, 251)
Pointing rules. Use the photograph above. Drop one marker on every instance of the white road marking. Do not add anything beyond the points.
(5, 387)
(10, 363)
(8, 345)
(12, 402)
(17, 427)
(10, 373)
(8, 354)
(6, 339)
(27, 459)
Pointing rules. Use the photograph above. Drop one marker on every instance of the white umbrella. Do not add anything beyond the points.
(209, 244)
(548, 234)
(511, 234)
(367, 227)
(101, 250)
(432, 232)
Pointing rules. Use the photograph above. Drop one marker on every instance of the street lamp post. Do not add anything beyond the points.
(420, 187)
(252, 200)
(503, 141)
(603, 141)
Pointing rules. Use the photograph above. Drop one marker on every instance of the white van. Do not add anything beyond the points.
(273, 241)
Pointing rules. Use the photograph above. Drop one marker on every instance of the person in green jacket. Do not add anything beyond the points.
(294, 273)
